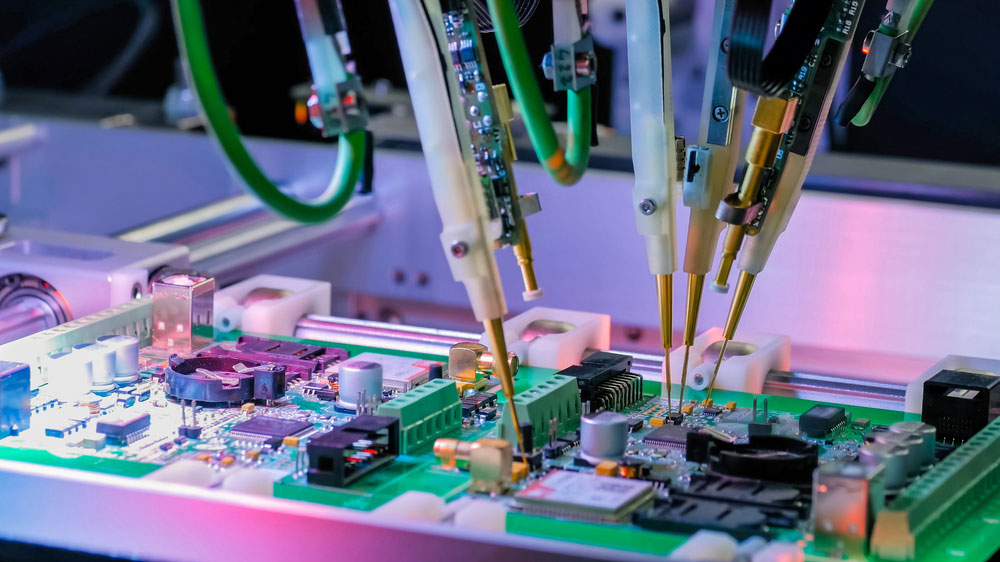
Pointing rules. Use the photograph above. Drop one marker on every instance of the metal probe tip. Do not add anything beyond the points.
(494, 330)
(665, 300)
(718, 363)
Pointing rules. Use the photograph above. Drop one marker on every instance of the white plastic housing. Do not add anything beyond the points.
(706, 546)
(413, 505)
(274, 317)
(91, 273)
(744, 373)
(457, 193)
(653, 147)
(587, 330)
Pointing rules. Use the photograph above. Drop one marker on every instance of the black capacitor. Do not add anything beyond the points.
(435, 371)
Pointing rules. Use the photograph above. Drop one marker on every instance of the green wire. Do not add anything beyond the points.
(864, 116)
(193, 45)
(566, 167)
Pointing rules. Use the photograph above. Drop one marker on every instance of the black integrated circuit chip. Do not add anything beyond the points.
(817, 422)
(668, 437)
(268, 428)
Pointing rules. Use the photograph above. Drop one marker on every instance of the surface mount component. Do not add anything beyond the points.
(15, 397)
(820, 420)
(350, 451)
(605, 381)
(268, 430)
(668, 436)
(575, 495)
(960, 403)
(124, 430)
(223, 380)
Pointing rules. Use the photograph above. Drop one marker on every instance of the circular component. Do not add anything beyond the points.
(102, 362)
(603, 435)
(34, 305)
(69, 375)
(767, 75)
(647, 207)
(893, 459)
(913, 445)
(220, 380)
(926, 432)
(357, 378)
(126, 350)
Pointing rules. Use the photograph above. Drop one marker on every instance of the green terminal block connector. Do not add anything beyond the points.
(557, 398)
(425, 413)
(927, 510)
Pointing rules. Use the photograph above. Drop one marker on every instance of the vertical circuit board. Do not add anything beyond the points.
(810, 85)
(479, 113)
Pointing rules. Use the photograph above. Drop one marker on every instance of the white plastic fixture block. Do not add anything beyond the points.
(745, 373)
(915, 390)
(554, 338)
(271, 316)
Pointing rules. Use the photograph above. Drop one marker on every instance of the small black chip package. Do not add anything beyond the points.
(817, 422)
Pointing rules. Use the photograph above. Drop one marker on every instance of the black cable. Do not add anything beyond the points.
(855, 100)
(767, 75)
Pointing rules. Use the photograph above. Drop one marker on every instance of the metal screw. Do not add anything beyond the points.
(805, 124)
(459, 249)
(725, 46)
(826, 60)
(647, 207)
(720, 113)
(698, 379)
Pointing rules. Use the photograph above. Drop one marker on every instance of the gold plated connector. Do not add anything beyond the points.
(522, 251)
(771, 119)
(696, 283)
(665, 302)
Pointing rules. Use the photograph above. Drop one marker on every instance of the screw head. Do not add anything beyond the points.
(805, 124)
(725, 46)
(826, 60)
(698, 379)
(647, 207)
(459, 249)
(720, 113)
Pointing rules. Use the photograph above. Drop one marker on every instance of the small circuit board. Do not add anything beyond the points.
(615, 473)
(489, 145)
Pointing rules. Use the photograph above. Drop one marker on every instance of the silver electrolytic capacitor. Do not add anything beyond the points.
(126, 356)
(892, 457)
(355, 378)
(913, 445)
(926, 432)
(102, 362)
(603, 436)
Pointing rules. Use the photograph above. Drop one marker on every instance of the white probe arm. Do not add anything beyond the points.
(654, 156)
(711, 164)
(457, 192)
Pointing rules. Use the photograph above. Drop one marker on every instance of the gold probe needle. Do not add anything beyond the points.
(494, 330)
(696, 283)
(743, 286)
(665, 301)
